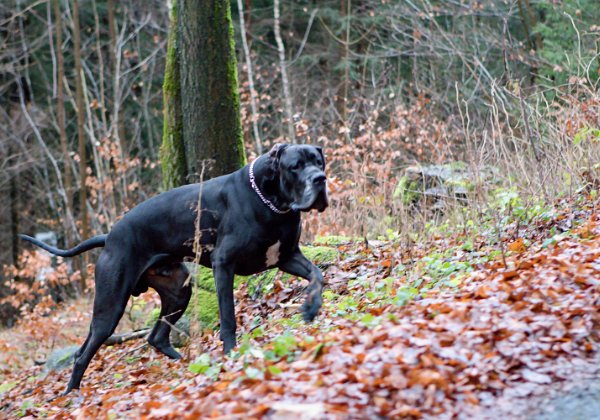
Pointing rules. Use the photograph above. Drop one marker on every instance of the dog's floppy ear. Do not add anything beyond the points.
(320, 150)
(277, 150)
(274, 155)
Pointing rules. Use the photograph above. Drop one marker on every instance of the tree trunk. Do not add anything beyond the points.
(525, 24)
(172, 150)
(118, 120)
(537, 42)
(14, 219)
(342, 95)
(253, 98)
(212, 131)
(60, 111)
(287, 96)
(80, 135)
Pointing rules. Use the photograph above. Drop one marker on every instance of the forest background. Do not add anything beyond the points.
(460, 249)
(504, 87)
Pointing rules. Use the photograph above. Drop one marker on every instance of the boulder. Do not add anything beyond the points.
(433, 185)
(180, 335)
(60, 359)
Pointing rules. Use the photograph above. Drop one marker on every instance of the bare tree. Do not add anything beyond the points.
(287, 96)
(83, 216)
(253, 98)
(60, 111)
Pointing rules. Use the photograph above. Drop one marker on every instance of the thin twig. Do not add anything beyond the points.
(109, 369)
(121, 338)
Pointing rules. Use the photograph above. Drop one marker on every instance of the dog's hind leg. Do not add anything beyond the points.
(169, 282)
(109, 304)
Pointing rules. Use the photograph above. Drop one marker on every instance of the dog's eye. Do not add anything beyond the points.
(295, 166)
(316, 159)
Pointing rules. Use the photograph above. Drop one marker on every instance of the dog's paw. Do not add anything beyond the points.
(165, 348)
(228, 344)
(311, 307)
(171, 353)
(67, 391)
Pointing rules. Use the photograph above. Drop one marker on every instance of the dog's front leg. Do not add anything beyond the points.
(223, 271)
(299, 265)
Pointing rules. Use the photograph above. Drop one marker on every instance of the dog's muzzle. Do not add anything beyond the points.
(314, 195)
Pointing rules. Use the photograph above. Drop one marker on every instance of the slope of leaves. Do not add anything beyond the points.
(446, 327)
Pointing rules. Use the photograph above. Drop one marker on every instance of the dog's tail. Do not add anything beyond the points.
(95, 242)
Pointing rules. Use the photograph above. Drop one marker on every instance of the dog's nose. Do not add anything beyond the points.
(319, 179)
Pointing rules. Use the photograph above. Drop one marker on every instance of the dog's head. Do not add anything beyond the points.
(301, 173)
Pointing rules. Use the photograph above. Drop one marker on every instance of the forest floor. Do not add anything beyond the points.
(477, 324)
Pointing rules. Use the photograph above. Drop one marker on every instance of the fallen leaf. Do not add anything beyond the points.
(533, 376)
(517, 246)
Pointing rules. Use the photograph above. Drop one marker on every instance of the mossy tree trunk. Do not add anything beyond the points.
(172, 151)
(210, 104)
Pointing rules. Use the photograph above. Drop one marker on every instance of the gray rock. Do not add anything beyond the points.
(580, 403)
(433, 185)
(181, 333)
(60, 359)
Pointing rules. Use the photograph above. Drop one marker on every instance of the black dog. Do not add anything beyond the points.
(249, 221)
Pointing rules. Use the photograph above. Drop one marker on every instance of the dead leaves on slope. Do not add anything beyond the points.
(506, 332)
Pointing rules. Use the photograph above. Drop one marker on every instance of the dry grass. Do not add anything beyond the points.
(543, 150)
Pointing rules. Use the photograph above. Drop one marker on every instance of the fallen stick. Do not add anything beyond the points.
(121, 338)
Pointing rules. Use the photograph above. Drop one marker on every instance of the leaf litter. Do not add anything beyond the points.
(401, 334)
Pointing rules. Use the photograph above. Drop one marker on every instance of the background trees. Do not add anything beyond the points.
(121, 116)
(381, 84)
(121, 86)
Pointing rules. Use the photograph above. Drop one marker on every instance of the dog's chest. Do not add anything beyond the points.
(272, 254)
(263, 254)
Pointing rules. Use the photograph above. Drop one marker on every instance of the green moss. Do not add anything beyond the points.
(232, 75)
(260, 283)
(205, 306)
(334, 240)
(204, 279)
(464, 183)
(407, 191)
(458, 166)
(152, 317)
(172, 150)
(5, 387)
(320, 254)
(171, 80)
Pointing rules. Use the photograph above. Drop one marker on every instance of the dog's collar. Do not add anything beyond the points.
(260, 194)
